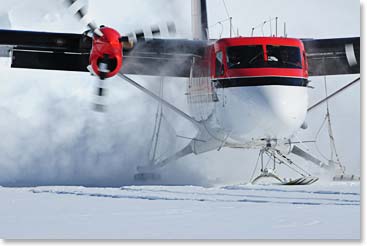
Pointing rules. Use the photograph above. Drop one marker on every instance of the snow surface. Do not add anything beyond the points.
(182, 212)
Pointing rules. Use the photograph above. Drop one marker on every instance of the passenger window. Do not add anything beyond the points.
(219, 68)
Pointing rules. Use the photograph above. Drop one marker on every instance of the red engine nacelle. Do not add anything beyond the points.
(109, 46)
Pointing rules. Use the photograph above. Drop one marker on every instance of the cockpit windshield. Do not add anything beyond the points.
(253, 57)
(284, 56)
(245, 57)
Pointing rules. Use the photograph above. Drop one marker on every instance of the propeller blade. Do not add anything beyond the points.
(156, 31)
(100, 108)
(171, 27)
(80, 9)
(99, 105)
(101, 92)
(140, 36)
(124, 39)
(128, 41)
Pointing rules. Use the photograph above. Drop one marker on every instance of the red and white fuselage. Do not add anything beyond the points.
(256, 90)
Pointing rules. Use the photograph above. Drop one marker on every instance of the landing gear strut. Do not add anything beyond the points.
(151, 171)
(277, 159)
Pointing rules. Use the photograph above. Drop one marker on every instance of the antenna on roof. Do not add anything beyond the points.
(230, 27)
(285, 30)
(262, 24)
(271, 26)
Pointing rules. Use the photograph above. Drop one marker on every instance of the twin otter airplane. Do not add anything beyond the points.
(243, 92)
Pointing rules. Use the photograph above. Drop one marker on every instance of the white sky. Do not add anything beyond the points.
(311, 18)
(305, 19)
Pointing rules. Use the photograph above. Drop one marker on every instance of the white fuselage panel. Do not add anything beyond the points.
(259, 112)
(250, 113)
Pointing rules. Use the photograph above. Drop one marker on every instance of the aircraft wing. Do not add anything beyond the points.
(42, 50)
(163, 57)
(333, 56)
(70, 52)
(157, 57)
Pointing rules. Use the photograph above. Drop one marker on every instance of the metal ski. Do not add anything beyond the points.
(280, 159)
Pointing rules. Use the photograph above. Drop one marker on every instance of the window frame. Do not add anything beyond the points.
(219, 64)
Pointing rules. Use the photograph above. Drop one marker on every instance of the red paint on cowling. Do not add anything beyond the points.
(223, 44)
(110, 45)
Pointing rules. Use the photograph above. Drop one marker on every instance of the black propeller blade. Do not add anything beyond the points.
(103, 68)
(171, 28)
(140, 36)
(155, 31)
(81, 10)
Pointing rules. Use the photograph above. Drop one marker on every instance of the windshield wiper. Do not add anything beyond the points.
(255, 57)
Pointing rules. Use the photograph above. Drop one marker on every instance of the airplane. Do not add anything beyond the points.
(243, 92)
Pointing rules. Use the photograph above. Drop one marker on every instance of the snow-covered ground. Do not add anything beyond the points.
(330, 211)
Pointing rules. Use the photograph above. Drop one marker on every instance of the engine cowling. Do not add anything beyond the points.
(107, 48)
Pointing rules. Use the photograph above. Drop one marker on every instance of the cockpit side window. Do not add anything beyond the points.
(219, 69)
(245, 57)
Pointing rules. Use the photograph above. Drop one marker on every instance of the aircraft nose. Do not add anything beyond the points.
(285, 109)
(265, 111)
(287, 105)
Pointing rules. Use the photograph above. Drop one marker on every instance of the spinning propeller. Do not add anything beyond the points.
(106, 57)
(80, 9)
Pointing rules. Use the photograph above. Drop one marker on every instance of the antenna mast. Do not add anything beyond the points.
(285, 30)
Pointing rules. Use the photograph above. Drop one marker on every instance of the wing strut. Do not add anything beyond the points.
(161, 100)
(334, 94)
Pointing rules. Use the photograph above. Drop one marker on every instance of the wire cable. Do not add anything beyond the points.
(229, 16)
